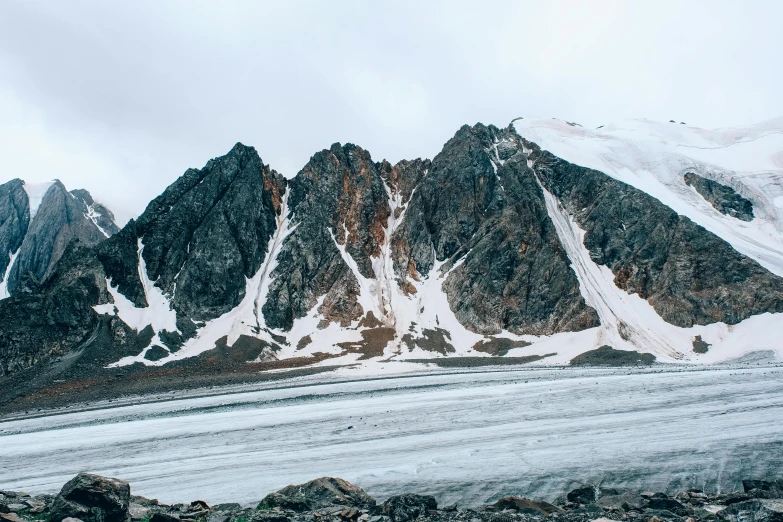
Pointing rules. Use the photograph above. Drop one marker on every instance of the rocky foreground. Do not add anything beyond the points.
(92, 498)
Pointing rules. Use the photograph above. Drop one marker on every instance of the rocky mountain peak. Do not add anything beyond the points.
(98, 213)
(38, 222)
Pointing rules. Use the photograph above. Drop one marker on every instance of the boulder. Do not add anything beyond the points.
(278, 500)
(757, 510)
(227, 506)
(269, 516)
(317, 494)
(198, 505)
(527, 506)
(663, 503)
(92, 498)
(163, 517)
(583, 495)
(409, 506)
(762, 489)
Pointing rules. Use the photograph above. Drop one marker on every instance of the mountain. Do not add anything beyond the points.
(37, 221)
(637, 242)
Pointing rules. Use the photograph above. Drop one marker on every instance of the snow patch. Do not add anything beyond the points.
(35, 195)
(93, 215)
(4, 283)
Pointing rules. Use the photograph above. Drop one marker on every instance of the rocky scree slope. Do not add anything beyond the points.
(93, 498)
(495, 246)
(37, 222)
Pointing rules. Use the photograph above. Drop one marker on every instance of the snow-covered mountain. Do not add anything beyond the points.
(37, 221)
(542, 239)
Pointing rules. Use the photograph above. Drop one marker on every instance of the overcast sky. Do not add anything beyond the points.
(122, 97)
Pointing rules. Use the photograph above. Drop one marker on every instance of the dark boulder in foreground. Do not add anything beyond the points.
(92, 498)
(409, 506)
(318, 494)
(583, 495)
(763, 488)
(527, 506)
(756, 510)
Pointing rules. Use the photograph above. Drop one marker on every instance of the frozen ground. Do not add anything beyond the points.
(462, 436)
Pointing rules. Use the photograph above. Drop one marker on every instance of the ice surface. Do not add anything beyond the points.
(467, 437)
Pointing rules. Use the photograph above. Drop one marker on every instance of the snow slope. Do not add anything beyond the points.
(654, 156)
(463, 437)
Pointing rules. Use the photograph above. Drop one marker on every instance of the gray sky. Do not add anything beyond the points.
(121, 97)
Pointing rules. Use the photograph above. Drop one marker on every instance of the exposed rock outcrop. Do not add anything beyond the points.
(14, 220)
(480, 211)
(724, 199)
(55, 317)
(204, 235)
(339, 210)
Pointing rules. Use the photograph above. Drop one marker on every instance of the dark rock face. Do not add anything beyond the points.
(14, 220)
(204, 235)
(689, 275)
(337, 201)
(699, 345)
(92, 498)
(608, 356)
(480, 208)
(723, 198)
(321, 493)
(55, 317)
(402, 508)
